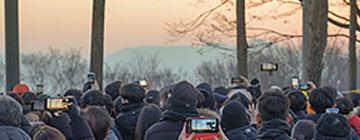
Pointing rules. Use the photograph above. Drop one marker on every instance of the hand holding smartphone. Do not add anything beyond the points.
(205, 128)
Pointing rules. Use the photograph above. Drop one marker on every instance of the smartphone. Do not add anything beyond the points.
(56, 103)
(304, 87)
(332, 110)
(236, 80)
(37, 105)
(295, 82)
(39, 88)
(205, 128)
(91, 78)
(142, 83)
(268, 66)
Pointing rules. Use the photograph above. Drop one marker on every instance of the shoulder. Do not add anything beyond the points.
(164, 129)
(10, 132)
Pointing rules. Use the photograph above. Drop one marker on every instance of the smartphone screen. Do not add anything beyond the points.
(39, 88)
(91, 77)
(268, 67)
(304, 87)
(55, 104)
(142, 83)
(202, 125)
(295, 82)
(37, 105)
(236, 80)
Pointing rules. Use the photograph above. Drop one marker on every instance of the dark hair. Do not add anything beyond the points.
(134, 93)
(255, 91)
(117, 104)
(333, 125)
(75, 93)
(297, 99)
(108, 103)
(152, 96)
(209, 100)
(16, 97)
(98, 120)
(240, 98)
(10, 111)
(92, 97)
(113, 90)
(332, 89)
(33, 129)
(303, 130)
(321, 98)
(28, 97)
(149, 115)
(345, 105)
(164, 94)
(273, 104)
(48, 133)
(355, 99)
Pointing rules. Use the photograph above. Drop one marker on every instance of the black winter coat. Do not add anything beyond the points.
(12, 133)
(274, 129)
(313, 117)
(172, 121)
(127, 119)
(242, 133)
(351, 136)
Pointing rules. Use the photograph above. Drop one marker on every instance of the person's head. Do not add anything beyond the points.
(153, 97)
(29, 96)
(33, 129)
(48, 133)
(10, 111)
(33, 116)
(233, 115)
(321, 98)
(332, 89)
(273, 104)
(240, 98)
(221, 90)
(132, 93)
(117, 105)
(303, 130)
(345, 105)
(75, 93)
(108, 103)
(164, 95)
(184, 91)
(209, 100)
(297, 99)
(92, 97)
(255, 91)
(113, 90)
(21, 88)
(17, 97)
(355, 99)
(332, 125)
(149, 115)
(99, 121)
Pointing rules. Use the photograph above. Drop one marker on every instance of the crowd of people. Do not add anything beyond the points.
(135, 111)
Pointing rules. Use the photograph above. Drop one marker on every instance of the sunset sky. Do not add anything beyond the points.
(66, 24)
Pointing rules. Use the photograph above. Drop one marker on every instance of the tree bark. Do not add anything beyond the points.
(352, 45)
(241, 39)
(97, 40)
(306, 4)
(317, 44)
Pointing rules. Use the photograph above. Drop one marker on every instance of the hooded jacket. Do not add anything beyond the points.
(172, 120)
(12, 133)
(274, 129)
(127, 119)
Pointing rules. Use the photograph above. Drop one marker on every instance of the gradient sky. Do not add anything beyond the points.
(66, 24)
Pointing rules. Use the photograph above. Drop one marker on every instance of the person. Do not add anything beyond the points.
(116, 107)
(273, 117)
(17, 97)
(21, 88)
(98, 120)
(236, 123)
(92, 97)
(181, 104)
(334, 126)
(10, 117)
(28, 97)
(346, 108)
(33, 117)
(133, 96)
(320, 99)
(240, 98)
(182, 135)
(209, 99)
(112, 89)
(47, 132)
(153, 97)
(303, 130)
(75, 93)
(298, 103)
(149, 115)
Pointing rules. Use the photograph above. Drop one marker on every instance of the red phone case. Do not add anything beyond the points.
(204, 136)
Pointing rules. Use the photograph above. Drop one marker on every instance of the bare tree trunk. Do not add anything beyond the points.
(241, 39)
(352, 46)
(306, 4)
(97, 40)
(318, 35)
